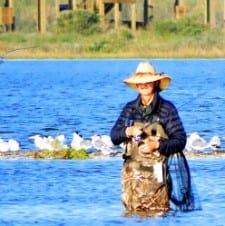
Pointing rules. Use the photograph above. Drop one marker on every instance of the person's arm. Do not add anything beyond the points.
(176, 134)
(122, 129)
(118, 132)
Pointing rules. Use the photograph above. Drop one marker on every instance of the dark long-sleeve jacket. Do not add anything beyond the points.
(165, 113)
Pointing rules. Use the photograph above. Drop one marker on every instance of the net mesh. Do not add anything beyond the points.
(179, 182)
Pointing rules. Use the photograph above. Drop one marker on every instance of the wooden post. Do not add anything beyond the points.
(7, 3)
(116, 14)
(181, 2)
(224, 13)
(101, 8)
(210, 13)
(73, 4)
(176, 4)
(57, 8)
(145, 11)
(42, 16)
(10, 3)
(207, 11)
(133, 16)
(150, 9)
(213, 13)
(91, 5)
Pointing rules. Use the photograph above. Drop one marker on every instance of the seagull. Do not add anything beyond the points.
(107, 140)
(10, 145)
(49, 143)
(102, 143)
(13, 145)
(42, 143)
(78, 142)
(196, 143)
(4, 147)
(59, 142)
(61, 138)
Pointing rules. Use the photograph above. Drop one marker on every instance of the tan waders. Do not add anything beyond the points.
(143, 178)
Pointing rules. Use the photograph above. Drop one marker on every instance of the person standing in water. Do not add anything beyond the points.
(153, 134)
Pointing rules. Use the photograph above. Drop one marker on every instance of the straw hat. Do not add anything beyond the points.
(146, 73)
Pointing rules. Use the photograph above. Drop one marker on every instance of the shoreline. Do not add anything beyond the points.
(102, 56)
(109, 58)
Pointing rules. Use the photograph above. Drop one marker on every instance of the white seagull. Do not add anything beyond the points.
(42, 143)
(78, 142)
(4, 147)
(196, 143)
(10, 145)
(49, 143)
(13, 145)
(102, 143)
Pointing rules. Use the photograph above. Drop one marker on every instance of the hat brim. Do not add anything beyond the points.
(164, 80)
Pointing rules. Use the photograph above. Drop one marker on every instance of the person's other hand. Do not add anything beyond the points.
(148, 146)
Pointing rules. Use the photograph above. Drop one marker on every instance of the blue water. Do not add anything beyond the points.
(51, 97)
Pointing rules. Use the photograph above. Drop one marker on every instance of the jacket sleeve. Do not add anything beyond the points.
(118, 135)
(176, 134)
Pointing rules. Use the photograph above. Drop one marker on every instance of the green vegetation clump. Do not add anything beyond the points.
(76, 154)
(185, 26)
(68, 153)
(79, 21)
(111, 42)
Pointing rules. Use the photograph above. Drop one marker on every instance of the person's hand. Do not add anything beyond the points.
(133, 131)
(148, 146)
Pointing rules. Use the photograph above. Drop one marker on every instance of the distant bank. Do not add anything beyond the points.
(65, 52)
(113, 44)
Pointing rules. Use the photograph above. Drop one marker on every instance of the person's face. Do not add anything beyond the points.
(146, 89)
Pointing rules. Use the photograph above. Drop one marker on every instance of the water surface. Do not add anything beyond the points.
(51, 97)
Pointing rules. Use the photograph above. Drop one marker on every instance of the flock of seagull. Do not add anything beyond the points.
(101, 143)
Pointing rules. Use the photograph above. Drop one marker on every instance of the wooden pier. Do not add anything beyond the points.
(7, 17)
(117, 12)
